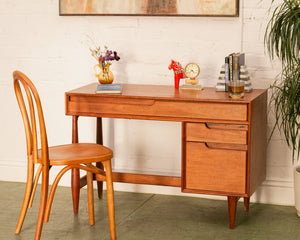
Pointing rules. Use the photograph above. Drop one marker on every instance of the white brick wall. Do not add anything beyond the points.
(53, 51)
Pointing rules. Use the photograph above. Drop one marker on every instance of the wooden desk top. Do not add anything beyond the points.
(167, 92)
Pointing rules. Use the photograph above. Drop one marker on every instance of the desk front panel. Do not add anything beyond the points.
(215, 158)
(210, 169)
(217, 133)
(95, 105)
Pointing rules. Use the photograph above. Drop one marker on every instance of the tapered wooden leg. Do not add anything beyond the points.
(246, 203)
(28, 191)
(36, 179)
(75, 189)
(75, 178)
(232, 202)
(44, 194)
(99, 140)
(99, 183)
(110, 199)
(89, 181)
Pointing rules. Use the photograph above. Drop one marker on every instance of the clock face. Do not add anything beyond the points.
(192, 70)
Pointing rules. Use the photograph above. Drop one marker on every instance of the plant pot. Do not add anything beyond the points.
(297, 189)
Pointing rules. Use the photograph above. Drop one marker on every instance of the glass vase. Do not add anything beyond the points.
(103, 73)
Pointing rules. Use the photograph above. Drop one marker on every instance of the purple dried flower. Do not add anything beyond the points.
(116, 57)
(105, 56)
(110, 58)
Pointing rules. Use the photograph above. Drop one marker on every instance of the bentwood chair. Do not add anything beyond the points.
(78, 155)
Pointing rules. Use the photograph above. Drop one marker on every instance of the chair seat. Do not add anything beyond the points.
(77, 153)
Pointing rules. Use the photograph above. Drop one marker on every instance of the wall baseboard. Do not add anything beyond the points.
(270, 192)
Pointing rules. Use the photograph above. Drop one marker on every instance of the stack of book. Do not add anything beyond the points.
(234, 69)
(109, 89)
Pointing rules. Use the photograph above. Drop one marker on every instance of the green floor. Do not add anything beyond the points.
(146, 216)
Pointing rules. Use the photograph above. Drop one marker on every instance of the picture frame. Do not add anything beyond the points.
(216, 8)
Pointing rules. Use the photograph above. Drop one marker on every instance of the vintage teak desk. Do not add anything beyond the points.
(223, 140)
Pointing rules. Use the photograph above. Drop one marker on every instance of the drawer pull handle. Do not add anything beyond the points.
(225, 146)
(222, 126)
(206, 145)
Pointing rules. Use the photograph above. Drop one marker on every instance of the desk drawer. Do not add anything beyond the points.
(157, 109)
(215, 132)
(210, 169)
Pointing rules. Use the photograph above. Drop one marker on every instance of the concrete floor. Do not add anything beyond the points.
(146, 216)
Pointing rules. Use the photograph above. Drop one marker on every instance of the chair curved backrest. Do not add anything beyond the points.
(29, 117)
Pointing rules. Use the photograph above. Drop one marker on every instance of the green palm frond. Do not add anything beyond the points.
(282, 36)
(285, 98)
(282, 40)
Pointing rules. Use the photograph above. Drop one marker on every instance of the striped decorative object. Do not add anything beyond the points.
(244, 76)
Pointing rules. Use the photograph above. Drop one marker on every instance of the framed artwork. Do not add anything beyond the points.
(221, 8)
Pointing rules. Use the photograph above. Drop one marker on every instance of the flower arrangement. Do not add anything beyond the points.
(104, 57)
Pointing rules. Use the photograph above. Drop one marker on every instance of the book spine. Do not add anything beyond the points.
(235, 68)
(226, 73)
(242, 59)
(230, 67)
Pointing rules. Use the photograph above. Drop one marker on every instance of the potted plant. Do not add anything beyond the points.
(282, 40)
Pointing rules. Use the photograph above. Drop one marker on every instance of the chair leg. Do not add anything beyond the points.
(44, 194)
(52, 191)
(75, 187)
(100, 183)
(110, 199)
(89, 181)
(37, 176)
(27, 195)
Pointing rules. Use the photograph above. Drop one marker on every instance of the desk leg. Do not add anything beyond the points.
(75, 179)
(246, 203)
(232, 202)
(99, 140)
